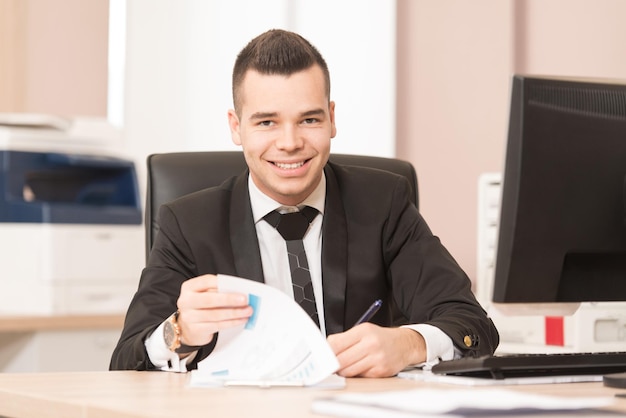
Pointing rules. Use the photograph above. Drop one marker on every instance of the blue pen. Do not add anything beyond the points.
(370, 312)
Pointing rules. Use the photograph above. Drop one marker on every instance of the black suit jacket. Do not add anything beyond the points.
(375, 245)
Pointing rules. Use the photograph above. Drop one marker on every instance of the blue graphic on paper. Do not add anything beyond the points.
(255, 302)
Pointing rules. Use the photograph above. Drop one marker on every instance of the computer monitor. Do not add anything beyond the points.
(562, 228)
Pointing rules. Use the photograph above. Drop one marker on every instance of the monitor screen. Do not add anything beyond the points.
(562, 228)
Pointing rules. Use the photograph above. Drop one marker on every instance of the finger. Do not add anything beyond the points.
(222, 325)
(203, 333)
(352, 364)
(207, 316)
(208, 328)
(352, 371)
(342, 341)
(204, 283)
(365, 362)
(348, 352)
(199, 325)
(211, 300)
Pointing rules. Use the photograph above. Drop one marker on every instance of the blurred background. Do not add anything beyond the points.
(427, 81)
(423, 80)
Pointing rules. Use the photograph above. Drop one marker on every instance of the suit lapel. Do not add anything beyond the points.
(244, 241)
(334, 256)
(247, 256)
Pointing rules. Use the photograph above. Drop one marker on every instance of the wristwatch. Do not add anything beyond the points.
(171, 335)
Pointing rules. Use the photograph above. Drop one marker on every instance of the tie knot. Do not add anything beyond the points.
(292, 226)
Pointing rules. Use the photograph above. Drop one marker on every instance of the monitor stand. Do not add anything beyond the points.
(615, 380)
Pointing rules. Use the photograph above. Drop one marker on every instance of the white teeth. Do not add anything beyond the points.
(289, 166)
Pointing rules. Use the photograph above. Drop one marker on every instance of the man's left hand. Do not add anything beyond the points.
(368, 350)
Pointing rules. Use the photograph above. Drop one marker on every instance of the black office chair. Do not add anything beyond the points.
(173, 175)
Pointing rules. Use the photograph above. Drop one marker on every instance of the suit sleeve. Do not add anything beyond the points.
(169, 265)
(428, 285)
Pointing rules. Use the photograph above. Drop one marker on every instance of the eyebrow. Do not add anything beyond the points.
(263, 115)
(313, 112)
(269, 115)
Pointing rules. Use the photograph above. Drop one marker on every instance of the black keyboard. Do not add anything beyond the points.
(534, 365)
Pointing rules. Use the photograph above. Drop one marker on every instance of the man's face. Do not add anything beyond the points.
(284, 127)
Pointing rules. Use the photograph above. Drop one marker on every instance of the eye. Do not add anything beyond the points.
(266, 123)
(309, 121)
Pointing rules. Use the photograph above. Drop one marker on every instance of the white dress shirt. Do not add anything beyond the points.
(276, 272)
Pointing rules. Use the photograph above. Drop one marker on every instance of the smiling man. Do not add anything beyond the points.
(364, 240)
(284, 124)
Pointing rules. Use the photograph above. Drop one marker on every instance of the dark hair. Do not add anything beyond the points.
(276, 52)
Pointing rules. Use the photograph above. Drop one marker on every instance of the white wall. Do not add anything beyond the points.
(180, 55)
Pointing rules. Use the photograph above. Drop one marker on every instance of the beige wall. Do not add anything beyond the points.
(575, 37)
(53, 56)
(455, 60)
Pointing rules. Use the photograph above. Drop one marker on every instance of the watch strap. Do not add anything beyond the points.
(177, 346)
(184, 348)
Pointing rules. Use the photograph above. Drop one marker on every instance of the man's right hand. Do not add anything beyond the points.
(203, 310)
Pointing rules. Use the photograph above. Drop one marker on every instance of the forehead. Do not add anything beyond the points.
(309, 82)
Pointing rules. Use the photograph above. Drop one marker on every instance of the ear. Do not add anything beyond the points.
(233, 124)
(333, 128)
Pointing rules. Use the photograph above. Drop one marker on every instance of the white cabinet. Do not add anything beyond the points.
(49, 344)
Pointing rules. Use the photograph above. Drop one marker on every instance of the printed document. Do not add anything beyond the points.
(279, 345)
(453, 403)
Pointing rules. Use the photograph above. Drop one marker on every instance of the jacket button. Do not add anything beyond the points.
(470, 341)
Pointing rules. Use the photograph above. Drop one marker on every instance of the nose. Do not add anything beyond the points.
(289, 139)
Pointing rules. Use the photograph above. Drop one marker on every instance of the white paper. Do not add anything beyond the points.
(457, 402)
(428, 376)
(279, 345)
(35, 120)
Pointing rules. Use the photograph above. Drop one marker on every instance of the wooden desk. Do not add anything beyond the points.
(161, 394)
(26, 323)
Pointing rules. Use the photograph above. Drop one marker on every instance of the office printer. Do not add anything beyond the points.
(71, 239)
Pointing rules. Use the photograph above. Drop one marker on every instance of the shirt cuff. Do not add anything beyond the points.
(161, 356)
(439, 346)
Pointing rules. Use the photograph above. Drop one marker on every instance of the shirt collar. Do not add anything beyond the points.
(263, 204)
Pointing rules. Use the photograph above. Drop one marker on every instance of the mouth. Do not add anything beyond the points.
(289, 166)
